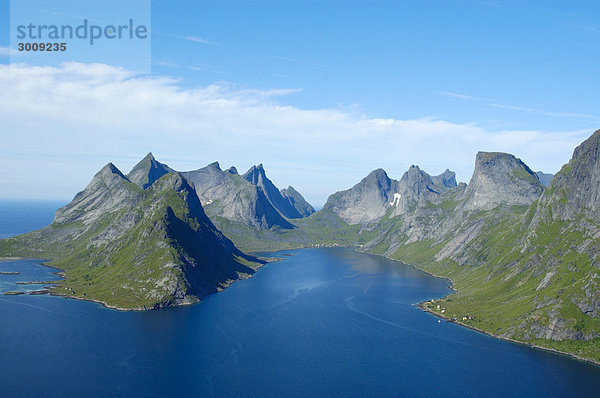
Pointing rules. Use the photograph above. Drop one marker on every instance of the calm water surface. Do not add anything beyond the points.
(324, 322)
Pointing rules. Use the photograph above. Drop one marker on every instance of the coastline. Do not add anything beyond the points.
(421, 306)
(47, 290)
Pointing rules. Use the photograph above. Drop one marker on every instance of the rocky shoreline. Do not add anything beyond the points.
(421, 305)
(424, 308)
(61, 273)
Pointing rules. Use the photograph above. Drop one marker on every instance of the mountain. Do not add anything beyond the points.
(545, 178)
(227, 195)
(297, 201)
(523, 260)
(376, 195)
(575, 190)
(500, 178)
(365, 202)
(445, 180)
(258, 177)
(147, 171)
(135, 248)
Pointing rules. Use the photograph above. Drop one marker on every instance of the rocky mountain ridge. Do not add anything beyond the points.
(524, 258)
(132, 247)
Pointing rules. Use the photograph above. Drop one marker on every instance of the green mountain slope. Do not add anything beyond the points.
(135, 248)
(529, 273)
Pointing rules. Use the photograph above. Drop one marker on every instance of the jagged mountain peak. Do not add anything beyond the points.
(110, 169)
(147, 171)
(234, 198)
(297, 201)
(108, 191)
(589, 147)
(415, 172)
(377, 176)
(575, 189)
(447, 179)
(142, 248)
(501, 179)
(255, 174)
(215, 165)
(416, 181)
(232, 170)
(366, 201)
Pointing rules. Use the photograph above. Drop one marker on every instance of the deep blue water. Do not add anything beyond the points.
(18, 217)
(324, 322)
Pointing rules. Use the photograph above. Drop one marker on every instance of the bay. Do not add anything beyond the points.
(320, 323)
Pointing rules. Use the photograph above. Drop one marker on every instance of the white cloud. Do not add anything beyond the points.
(461, 96)
(495, 104)
(8, 51)
(201, 40)
(195, 39)
(60, 125)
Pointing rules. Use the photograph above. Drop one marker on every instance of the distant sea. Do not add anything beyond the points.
(20, 216)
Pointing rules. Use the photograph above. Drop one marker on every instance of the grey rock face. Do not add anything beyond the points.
(545, 178)
(104, 194)
(297, 201)
(157, 244)
(576, 188)
(365, 202)
(500, 179)
(372, 198)
(445, 180)
(230, 196)
(147, 171)
(257, 176)
(417, 188)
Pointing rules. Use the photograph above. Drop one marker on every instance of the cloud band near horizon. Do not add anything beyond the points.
(61, 124)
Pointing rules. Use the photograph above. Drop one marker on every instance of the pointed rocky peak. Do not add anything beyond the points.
(415, 181)
(173, 181)
(232, 170)
(366, 201)
(501, 179)
(108, 176)
(108, 191)
(377, 180)
(109, 169)
(290, 190)
(234, 198)
(445, 180)
(147, 171)
(297, 201)
(575, 189)
(215, 165)
(255, 175)
(178, 183)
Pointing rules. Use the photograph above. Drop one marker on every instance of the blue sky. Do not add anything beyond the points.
(323, 92)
